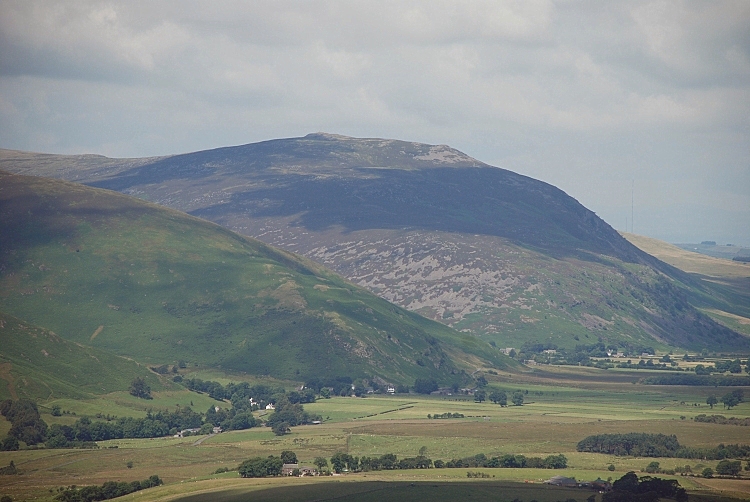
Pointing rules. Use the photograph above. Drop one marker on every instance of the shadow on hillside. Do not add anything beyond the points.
(485, 201)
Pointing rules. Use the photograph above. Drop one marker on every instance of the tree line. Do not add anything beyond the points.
(340, 462)
(640, 444)
(109, 490)
(27, 426)
(697, 380)
(241, 393)
(721, 419)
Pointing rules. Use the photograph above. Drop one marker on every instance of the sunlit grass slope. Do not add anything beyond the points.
(36, 363)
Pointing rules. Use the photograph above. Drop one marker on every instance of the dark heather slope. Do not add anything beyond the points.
(482, 249)
(147, 282)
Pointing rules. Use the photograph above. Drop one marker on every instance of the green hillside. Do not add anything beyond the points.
(114, 272)
(36, 363)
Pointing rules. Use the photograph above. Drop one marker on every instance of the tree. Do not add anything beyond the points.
(707, 473)
(733, 398)
(652, 468)
(517, 398)
(711, 401)
(320, 463)
(729, 468)
(425, 386)
(289, 457)
(139, 388)
(481, 381)
(730, 400)
(281, 428)
(339, 462)
(499, 397)
(325, 393)
(479, 396)
(10, 443)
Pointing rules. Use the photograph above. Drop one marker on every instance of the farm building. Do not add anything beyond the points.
(562, 481)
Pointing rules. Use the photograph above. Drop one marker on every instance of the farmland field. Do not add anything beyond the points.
(556, 414)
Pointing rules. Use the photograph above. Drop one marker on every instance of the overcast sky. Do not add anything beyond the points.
(594, 97)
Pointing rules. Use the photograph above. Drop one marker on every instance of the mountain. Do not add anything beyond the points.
(503, 257)
(119, 274)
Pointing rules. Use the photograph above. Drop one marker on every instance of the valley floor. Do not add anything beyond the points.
(559, 410)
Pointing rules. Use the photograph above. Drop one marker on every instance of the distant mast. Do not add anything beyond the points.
(632, 206)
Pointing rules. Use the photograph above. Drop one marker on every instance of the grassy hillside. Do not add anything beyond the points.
(503, 257)
(692, 262)
(109, 270)
(36, 363)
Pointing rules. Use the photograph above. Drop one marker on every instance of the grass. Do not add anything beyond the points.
(557, 415)
(36, 363)
(687, 261)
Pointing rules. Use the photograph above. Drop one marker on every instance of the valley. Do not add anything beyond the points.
(555, 416)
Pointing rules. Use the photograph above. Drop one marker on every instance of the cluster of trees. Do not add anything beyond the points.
(139, 388)
(425, 385)
(288, 414)
(697, 380)
(721, 419)
(159, 424)
(656, 445)
(26, 424)
(389, 461)
(649, 365)
(730, 399)
(241, 393)
(734, 366)
(260, 467)
(338, 386)
(507, 461)
(729, 467)
(501, 398)
(109, 490)
(631, 488)
(633, 443)
(581, 354)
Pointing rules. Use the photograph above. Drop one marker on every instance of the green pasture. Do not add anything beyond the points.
(556, 415)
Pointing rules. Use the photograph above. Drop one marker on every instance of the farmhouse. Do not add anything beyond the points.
(304, 470)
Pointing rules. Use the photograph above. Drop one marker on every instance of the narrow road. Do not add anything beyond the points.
(197, 443)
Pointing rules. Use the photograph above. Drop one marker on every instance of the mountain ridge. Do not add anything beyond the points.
(505, 257)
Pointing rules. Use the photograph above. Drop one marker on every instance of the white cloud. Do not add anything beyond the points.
(580, 94)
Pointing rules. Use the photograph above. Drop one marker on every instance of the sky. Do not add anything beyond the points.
(634, 107)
